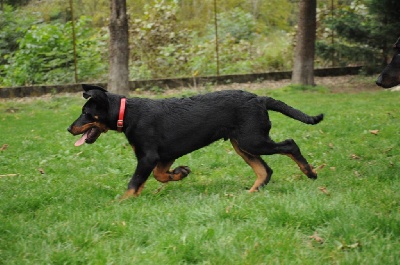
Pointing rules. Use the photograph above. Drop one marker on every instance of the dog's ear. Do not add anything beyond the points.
(98, 96)
(97, 93)
(87, 87)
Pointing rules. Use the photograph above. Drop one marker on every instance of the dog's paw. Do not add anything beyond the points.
(311, 173)
(129, 194)
(180, 172)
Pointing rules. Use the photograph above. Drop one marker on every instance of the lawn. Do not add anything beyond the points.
(59, 203)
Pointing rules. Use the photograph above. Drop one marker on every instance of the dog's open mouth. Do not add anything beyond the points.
(90, 136)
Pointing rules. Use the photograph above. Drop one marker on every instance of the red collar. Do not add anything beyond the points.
(120, 122)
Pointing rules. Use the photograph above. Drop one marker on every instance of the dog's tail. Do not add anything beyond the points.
(279, 106)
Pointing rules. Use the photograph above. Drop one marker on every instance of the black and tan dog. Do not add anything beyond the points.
(161, 131)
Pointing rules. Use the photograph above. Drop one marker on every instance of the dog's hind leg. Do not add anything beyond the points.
(260, 168)
(163, 174)
(292, 150)
(287, 147)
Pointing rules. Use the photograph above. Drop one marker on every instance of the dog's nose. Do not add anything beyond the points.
(69, 129)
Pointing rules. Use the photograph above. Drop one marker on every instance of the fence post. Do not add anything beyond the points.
(71, 5)
(216, 35)
(332, 36)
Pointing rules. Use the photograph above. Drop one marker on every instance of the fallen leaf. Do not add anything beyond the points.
(332, 168)
(4, 147)
(12, 110)
(355, 157)
(324, 190)
(160, 188)
(8, 175)
(355, 245)
(320, 166)
(374, 132)
(41, 170)
(317, 238)
(388, 149)
(344, 246)
(330, 145)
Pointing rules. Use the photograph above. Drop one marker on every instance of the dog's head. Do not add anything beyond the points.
(95, 115)
(390, 76)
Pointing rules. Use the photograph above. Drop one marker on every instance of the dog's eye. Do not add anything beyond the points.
(88, 115)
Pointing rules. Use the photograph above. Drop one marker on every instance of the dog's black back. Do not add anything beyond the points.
(179, 126)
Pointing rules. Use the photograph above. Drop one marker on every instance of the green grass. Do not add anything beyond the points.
(69, 214)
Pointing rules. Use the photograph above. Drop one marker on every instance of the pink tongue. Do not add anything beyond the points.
(82, 140)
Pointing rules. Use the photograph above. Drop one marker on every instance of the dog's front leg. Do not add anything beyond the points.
(163, 174)
(143, 170)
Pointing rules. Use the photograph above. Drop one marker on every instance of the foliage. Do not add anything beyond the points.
(16, 2)
(158, 47)
(259, 55)
(363, 31)
(235, 23)
(45, 54)
(269, 15)
(171, 38)
(13, 25)
(58, 202)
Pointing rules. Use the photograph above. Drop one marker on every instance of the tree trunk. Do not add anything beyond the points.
(118, 80)
(303, 67)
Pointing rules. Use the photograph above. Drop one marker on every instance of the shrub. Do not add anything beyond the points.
(13, 25)
(45, 55)
(159, 48)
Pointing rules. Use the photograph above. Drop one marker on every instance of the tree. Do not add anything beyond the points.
(303, 65)
(118, 80)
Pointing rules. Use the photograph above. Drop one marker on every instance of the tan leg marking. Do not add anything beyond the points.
(306, 169)
(255, 164)
(163, 173)
(132, 193)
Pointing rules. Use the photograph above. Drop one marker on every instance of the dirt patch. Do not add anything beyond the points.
(348, 83)
(337, 84)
